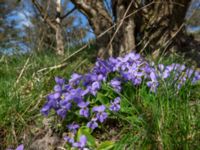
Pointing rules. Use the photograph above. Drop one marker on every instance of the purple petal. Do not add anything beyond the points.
(62, 112)
(115, 82)
(153, 76)
(69, 139)
(115, 107)
(165, 74)
(20, 147)
(102, 116)
(92, 124)
(59, 80)
(45, 109)
(95, 85)
(75, 78)
(117, 99)
(83, 140)
(84, 112)
(58, 88)
(99, 108)
(161, 67)
(76, 144)
(73, 127)
(83, 104)
(56, 95)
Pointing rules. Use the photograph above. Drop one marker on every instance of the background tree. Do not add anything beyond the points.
(194, 14)
(9, 35)
(136, 24)
(52, 26)
(59, 20)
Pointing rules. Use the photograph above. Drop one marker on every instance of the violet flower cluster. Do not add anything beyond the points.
(130, 68)
(81, 144)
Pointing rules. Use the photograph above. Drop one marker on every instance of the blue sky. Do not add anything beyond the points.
(81, 20)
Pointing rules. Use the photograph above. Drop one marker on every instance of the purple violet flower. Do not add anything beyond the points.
(45, 109)
(73, 127)
(95, 87)
(100, 114)
(84, 111)
(52, 102)
(165, 74)
(196, 77)
(55, 95)
(115, 105)
(62, 112)
(59, 80)
(64, 108)
(58, 88)
(92, 124)
(161, 67)
(116, 84)
(153, 84)
(20, 147)
(82, 142)
(75, 79)
(69, 139)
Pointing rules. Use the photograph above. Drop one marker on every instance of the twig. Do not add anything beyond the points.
(147, 43)
(2, 58)
(120, 24)
(13, 131)
(76, 52)
(68, 13)
(44, 15)
(167, 43)
(62, 148)
(53, 67)
(22, 71)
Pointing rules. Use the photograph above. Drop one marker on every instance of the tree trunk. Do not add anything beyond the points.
(99, 20)
(112, 43)
(124, 40)
(58, 30)
(54, 24)
(151, 25)
(162, 26)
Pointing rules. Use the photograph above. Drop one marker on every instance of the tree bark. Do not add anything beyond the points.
(55, 23)
(161, 25)
(124, 40)
(58, 30)
(157, 25)
(112, 43)
(100, 20)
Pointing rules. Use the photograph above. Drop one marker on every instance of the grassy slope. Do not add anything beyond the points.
(20, 102)
(167, 120)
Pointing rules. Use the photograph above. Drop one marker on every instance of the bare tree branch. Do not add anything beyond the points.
(92, 8)
(68, 13)
(86, 9)
(43, 14)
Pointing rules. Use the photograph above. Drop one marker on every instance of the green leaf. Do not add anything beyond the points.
(107, 145)
(102, 98)
(86, 131)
